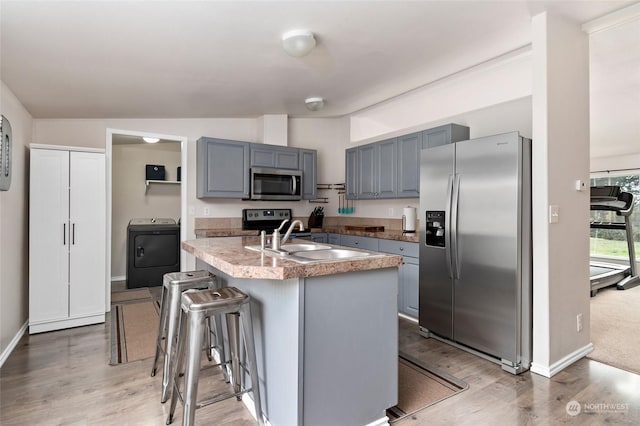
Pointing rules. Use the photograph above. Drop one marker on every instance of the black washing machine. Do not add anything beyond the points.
(153, 249)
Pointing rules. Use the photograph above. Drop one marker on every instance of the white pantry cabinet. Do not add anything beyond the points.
(67, 237)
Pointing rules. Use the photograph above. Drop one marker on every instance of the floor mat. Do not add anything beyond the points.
(134, 328)
(420, 386)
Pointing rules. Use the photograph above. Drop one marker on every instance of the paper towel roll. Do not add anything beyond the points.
(409, 219)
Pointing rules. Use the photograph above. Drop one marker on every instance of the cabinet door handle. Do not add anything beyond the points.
(64, 234)
(73, 234)
(401, 248)
(140, 251)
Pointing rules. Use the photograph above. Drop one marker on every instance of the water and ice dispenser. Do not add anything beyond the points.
(435, 229)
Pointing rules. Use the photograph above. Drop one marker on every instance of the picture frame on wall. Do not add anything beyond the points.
(5, 153)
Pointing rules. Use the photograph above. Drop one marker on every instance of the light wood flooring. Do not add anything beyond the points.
(63, 378)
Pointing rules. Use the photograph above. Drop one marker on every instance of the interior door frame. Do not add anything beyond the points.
(183, 195)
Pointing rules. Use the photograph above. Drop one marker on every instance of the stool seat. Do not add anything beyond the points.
(187, 279)
(226, 299)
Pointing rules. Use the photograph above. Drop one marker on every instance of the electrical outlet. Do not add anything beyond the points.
(390, 212)
(579, 323)
(192, 210)
(206, 212)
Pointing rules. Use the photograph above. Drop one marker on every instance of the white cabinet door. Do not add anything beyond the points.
(48, 235)
(87, 221)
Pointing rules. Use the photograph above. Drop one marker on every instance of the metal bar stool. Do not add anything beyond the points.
(197, 306)
(174, 284)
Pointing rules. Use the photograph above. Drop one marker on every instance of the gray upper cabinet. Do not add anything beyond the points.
(367, 179)
(391, 168)
(443, 135)
(409, 147)
(222, 168)
(351, 173)
(309, 166)
(274, 157)
(387, 168)
(371, 170)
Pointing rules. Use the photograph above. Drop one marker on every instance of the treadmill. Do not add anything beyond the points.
(610, 198)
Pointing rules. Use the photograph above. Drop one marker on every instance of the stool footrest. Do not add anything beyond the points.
(221, 397)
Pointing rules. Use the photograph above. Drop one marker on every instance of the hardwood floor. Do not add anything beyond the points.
(63, 378)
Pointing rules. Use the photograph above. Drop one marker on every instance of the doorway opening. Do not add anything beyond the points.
(131, 195)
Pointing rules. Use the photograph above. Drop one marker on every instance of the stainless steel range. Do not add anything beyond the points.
(269, 219)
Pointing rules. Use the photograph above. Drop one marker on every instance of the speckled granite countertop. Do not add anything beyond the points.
(230, 256)
(392, 234)
(387, 235)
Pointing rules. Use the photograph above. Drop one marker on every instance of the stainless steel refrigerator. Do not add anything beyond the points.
(475, 247)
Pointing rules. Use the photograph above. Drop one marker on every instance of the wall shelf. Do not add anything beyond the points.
(338, 186)
(162, 182)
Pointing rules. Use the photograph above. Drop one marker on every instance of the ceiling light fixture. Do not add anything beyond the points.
(148, 139)
(314, 104)
(298, 42)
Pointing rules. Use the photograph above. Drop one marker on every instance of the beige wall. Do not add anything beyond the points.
(129, 198)
(14, 216)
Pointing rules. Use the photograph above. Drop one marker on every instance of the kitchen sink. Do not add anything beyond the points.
(303, 247)
(309, 253)
(330, 254)
(286, 249)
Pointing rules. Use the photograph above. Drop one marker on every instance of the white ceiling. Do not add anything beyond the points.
(175, 59)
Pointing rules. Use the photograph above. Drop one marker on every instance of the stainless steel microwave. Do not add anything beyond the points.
(276, 184)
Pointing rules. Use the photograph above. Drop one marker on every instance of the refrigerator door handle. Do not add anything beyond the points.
(453, 226)
(447, 226)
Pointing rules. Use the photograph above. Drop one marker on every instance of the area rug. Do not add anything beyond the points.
(130, 295)
(615, 321)
(134, 328)
(420, 386)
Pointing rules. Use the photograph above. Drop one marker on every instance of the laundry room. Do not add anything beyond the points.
(145, 195)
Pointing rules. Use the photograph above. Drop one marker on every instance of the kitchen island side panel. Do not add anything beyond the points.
(326, 346)
(350, 347)
(276, 312)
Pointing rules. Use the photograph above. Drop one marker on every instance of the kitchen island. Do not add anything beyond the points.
(326, 332)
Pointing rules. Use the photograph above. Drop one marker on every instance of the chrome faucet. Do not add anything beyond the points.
(275, 238)
(293, 225)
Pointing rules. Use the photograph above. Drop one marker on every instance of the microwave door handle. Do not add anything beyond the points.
(295, 185)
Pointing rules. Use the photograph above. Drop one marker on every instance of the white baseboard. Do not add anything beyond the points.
(553, 369)
(407, 317)
(13, 343)
(119, 278)
(248, 402)
(381, 421)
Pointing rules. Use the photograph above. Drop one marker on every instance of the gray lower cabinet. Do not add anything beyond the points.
(443, 135)
(408, 281)
(222, 168)
(333, 239)
(320, 237)
(309, 166)
(366, 243)
(271, 156)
